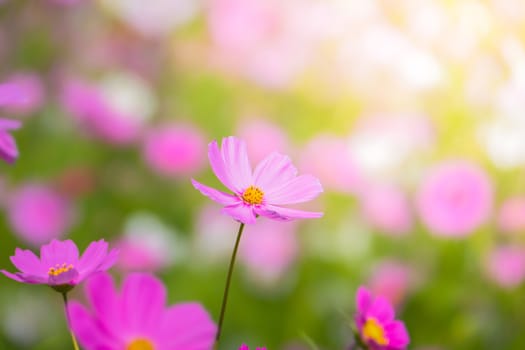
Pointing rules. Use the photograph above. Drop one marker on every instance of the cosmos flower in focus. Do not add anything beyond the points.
(37, 213)
(60, 265)
(376, 324)
(136, 318)
(8, 148)
(455, 199)
(261, 192)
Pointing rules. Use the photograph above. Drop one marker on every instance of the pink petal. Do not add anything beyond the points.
(241, 212)
(59, 252)
(26, 261)
(24, 278)
(397, 334)
(382, 310)
(219, 168)
(363, 300)
(8, 148)
(217, 196)
(187, 326)
(10, 124)
(88, 331)
(93, 256)
(110, 260)
(300, 189)
(143, 300)
(286, 214)
(68, 277)
(273, 171)
(103, 298)
(236, 162)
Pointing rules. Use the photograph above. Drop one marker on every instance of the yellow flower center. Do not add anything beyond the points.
(374, 331)
(59, 269)
(140, 344)
(253, 195)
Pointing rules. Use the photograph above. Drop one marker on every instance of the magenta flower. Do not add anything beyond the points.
(245, 347)
(137, 317)
(60, 265)
(8, 149)
(455, 199)
(175, 150)
(261, 193)
(376, 324)
(505, 265)
(38, 213)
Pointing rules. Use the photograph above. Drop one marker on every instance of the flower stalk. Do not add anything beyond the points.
(68, 319)
(227, 287)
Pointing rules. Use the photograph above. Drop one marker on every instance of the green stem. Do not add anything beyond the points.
(68, 319)
(227, 287)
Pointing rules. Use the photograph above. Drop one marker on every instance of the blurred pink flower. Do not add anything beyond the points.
(8, 148)
(505, 265)
(261, 193)
(137, 317)
(245, 347)
(214, 234)
(391, 279)
(24, 93)
(376, 324)
(388, 209)
(328, 157)
(175, 150)
(262, 138)
(455, 199)
(268, 250)
(92, 111)
(241, 26)
(60, 265)
(37, 213)
(65, 2)
(511, 215)
(255, 39)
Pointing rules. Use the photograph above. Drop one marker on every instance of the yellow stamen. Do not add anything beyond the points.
(374, 331)
(253, 195)
(59, 269)
(140, 344)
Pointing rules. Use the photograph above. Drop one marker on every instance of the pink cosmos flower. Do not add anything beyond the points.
(376, 324)
(388, 209)
(328, 157)
(262, 138)
(505, 266)
(60, 265)
(262, 192)
(137, 317)
(245, 347)
(24, 93)
(455, 199)
(87, 104)
(269, 251)
(175, 150)
(393, 280)
(511, 215)
(38, 213)
(8, 148)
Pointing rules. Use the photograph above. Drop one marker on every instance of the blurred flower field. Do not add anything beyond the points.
(410, 113)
